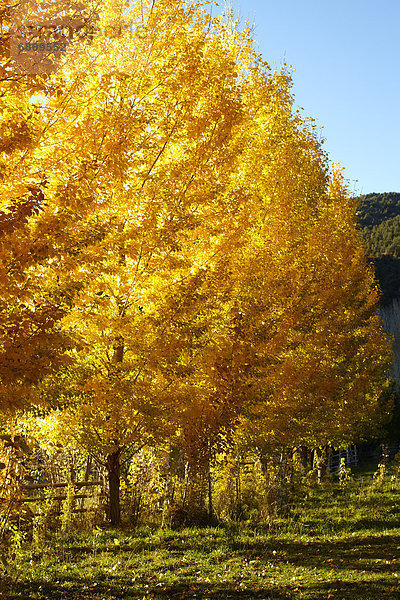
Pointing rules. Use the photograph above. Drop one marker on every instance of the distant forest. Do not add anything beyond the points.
(379, 222)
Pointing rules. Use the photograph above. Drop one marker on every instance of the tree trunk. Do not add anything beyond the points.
(166, 514)
(305, 459)
(320, 454)
(118, 350)
(210, 500)
(113, 471)
(238, 495)
(113, 464)
(264, 465)
(88, 468)
(186, 484)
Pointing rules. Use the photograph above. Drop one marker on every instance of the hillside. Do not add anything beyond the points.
(379, 220)
(375, 209)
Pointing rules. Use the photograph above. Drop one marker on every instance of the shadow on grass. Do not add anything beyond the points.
(355, 558)
(357, 590)
(352, 553)
(335, 589)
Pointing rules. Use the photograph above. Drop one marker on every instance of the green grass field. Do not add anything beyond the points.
(338, 542)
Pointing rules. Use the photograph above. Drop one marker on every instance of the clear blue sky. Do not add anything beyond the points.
(346, 56)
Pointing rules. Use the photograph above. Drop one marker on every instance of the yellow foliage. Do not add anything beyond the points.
(183, 258)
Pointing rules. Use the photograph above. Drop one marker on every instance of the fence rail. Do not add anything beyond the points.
(39, 486)
(350, 456)
(31, 487)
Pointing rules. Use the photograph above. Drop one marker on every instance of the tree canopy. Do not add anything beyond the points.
(179, 259)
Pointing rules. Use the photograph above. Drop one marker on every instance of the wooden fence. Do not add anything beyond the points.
(334, 458)
(29, 488)
(353, 454)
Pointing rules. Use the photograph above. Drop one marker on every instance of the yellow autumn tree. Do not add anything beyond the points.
(31, 344)
(318, 357)
(192, 244)
(142, 202)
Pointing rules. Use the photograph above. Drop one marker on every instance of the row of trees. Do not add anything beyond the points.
(179, 266)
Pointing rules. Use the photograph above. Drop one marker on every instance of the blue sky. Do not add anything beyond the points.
(346, 56)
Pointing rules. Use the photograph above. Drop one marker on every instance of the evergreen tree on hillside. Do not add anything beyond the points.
(379, 223)
(375, 209)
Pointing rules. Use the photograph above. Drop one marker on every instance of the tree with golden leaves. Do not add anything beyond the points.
(31, 343)
(317, 354)
(143, 205)
(186, 203)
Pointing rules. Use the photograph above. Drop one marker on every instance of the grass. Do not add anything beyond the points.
(339, 543)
